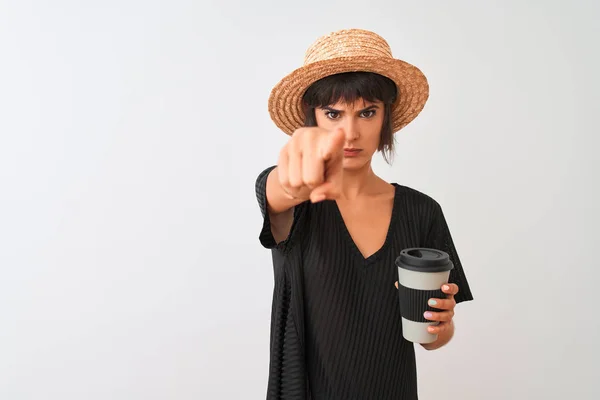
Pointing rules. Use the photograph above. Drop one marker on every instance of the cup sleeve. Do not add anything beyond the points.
(300, 217)
(440, 238)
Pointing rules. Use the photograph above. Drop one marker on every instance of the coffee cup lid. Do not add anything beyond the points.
(424, 259)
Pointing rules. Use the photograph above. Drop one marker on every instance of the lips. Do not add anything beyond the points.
(351, 152)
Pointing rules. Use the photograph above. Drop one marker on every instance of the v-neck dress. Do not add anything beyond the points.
(336, 330)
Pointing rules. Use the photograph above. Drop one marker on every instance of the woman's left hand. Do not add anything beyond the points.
(446, 307)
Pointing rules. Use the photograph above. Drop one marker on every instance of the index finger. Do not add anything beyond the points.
(450, 288)
(333, 145)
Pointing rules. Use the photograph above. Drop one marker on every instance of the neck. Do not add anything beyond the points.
(358, 182)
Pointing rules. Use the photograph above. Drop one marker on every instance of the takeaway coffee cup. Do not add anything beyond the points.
(421, 274)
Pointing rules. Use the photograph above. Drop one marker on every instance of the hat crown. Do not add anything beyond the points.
(347, 43)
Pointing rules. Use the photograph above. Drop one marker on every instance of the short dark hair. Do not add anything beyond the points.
(349, 87)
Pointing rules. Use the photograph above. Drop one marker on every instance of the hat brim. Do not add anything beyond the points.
(285, 101)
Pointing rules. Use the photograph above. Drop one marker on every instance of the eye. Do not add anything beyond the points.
(367, 114)
(332, 114)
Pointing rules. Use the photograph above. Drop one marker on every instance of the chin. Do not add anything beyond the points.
(354, 163)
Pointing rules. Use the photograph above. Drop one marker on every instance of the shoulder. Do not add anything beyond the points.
(416, 199)
(415, 205)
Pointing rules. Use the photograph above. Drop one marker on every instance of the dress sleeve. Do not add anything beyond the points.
(300, 217)
(439, 238)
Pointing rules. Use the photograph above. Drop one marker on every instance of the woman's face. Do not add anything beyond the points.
(362, 122)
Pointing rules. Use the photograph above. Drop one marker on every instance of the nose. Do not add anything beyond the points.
(351, 129)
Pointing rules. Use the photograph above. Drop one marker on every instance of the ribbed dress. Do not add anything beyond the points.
(336, 331)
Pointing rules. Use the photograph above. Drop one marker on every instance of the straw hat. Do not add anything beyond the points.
(348, 50)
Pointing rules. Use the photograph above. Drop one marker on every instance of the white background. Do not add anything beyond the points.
(131, 134)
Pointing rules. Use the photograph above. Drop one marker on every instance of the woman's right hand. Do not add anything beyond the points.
(310, 164)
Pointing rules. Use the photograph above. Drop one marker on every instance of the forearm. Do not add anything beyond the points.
(280, 207)
(443, 338)
(278, 201)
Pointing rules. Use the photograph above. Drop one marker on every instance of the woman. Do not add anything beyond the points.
(335, 228)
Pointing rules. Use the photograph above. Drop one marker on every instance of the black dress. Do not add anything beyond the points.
(336, 331)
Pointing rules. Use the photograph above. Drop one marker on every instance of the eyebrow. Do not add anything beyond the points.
(327, 108)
